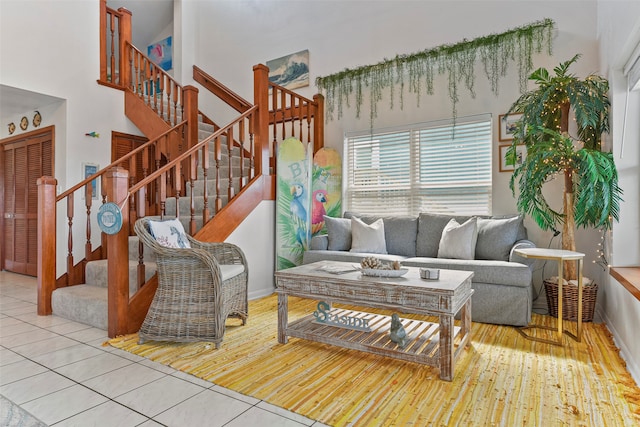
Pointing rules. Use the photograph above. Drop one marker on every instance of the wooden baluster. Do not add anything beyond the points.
(230, 192)
(112, 59)
(205, 190)
(292, 108)
(88, 196)
(70, 238)
(218, 158)
(147, 77)
(178, 186)
(161, 88)
(274, 96)
(141, 196)
(175, 103)
(309, 123)
(241, 140)
(300, 117)
(145, 173)
(152, 87)
(252, 153)
(103, 236)
(169, 89)
(136, 67)
(162, 184)
(283, 108)
(193, 165)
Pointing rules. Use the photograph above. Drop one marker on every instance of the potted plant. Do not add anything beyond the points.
(591, 194)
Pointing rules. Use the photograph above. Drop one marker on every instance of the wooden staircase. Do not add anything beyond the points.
(88, 302)
(209, 176)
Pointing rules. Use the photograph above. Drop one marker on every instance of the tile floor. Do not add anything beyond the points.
(61, 372)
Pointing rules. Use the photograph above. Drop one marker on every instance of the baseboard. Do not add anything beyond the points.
(625, 353)
(261, 293)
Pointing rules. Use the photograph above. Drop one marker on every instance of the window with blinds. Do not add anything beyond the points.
(427, 167)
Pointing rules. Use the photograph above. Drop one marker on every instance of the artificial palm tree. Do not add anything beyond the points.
(591, 192)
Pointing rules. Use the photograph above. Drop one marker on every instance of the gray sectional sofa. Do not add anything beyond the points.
(502, 280)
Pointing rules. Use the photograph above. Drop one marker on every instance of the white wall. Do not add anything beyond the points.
(349, 34)
(619, 33)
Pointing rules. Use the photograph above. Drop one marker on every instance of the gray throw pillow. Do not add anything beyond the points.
(368, 238)
(496, 237)
(338, 233)
(458, 241)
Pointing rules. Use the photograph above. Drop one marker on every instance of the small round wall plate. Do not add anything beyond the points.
(24, 123)
(12, 128)
(110, 218)
(37, 119)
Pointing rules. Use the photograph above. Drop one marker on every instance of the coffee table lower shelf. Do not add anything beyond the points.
(422, 345)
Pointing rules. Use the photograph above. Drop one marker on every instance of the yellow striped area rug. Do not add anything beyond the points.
(501, 379)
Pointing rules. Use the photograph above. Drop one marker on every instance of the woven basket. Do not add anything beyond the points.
(570, 300)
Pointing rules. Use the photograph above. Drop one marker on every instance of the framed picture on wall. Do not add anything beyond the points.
(89, 169)
(507, 126)
(521, 154)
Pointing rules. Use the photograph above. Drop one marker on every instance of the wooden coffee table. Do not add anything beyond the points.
(437, 343)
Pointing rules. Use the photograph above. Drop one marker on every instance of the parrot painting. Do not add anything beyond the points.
(299, 213)
(318, 211)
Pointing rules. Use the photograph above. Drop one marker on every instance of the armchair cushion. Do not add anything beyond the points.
(169, 233)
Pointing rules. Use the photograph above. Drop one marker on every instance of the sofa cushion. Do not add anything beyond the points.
(458, 241)
(485, 271)
(430, 228)
(400, 232)
(496, 237)
(338, 233)
(367, 238)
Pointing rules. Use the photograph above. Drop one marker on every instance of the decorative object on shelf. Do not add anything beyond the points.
(397, 334)
(324, 315)
(12, 128)
(93, 134)
(507, 126)
(290, 71)
(509, 163)
(418, 69)
(430, 273)
(37, 119)
(591, 193)
(24, 123)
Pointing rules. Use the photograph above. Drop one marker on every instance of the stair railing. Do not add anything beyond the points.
(148, 155)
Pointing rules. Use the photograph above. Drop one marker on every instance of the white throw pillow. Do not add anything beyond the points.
(169, 234)
(368, 238)
(459, 240)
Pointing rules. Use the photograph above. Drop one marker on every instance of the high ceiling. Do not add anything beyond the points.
(149, 18)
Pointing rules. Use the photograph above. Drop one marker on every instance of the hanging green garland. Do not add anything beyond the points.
(495, 51)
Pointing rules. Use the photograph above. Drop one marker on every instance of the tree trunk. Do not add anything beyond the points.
(568, 230)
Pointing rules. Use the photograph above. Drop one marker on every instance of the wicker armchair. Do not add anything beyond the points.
(198, 289)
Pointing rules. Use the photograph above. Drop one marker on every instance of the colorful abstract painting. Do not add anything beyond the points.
(161, 53)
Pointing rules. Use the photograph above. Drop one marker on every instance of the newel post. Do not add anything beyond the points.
(46, 242)
(125, 53)
(261, 99)
(318, 123)
(116, 182)
(191, 114)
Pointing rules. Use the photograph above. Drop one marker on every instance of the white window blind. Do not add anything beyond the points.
(426, 167)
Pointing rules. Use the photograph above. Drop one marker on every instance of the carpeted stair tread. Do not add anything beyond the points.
(85, 304)
(96, 273)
